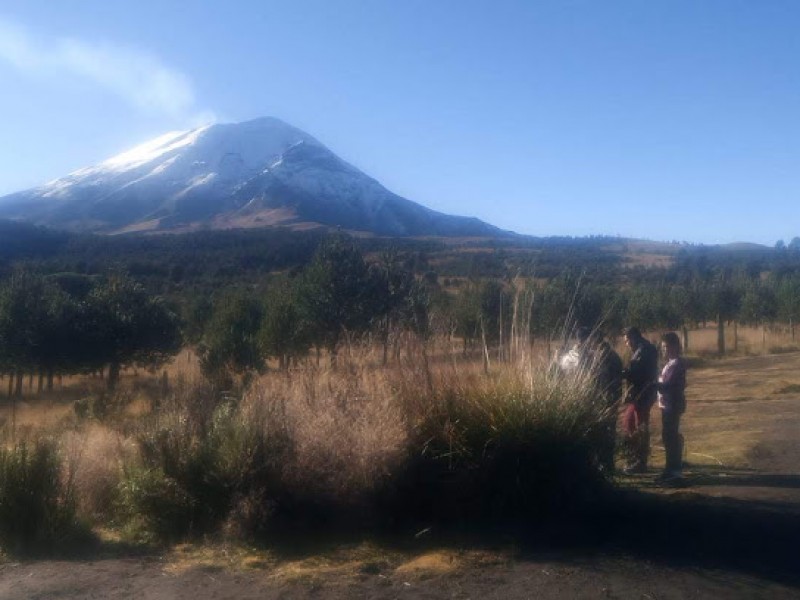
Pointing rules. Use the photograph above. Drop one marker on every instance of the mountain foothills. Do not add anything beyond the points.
(255, 174)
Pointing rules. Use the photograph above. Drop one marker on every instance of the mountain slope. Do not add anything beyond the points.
(253, 174)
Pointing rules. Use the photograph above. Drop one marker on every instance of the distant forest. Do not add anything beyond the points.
(244, 296)
(210, 259)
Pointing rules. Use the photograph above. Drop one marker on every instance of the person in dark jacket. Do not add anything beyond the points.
(608, 381)
(672, 402)
(642, 376)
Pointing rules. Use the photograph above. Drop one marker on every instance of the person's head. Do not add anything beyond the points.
(633, 337)
(671, 344)
(582, 334)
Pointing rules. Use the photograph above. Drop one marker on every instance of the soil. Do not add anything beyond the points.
(730, 533)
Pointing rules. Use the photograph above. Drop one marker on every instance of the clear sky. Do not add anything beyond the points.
(664, 119)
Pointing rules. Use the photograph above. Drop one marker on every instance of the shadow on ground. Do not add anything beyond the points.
(686, 529)
(681, 530)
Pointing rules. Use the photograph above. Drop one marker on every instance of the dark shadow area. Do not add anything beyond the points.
(683, 531)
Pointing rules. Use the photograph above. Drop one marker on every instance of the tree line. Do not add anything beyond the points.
(66, 323)
(72, 324)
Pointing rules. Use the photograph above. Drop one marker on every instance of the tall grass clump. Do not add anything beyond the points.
(95, 455)
(37, 509)
(348, 437)
(524, 442)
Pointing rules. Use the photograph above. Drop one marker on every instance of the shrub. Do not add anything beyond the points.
(36, 506)
(154, 506)
(191, 468)
(510, 447)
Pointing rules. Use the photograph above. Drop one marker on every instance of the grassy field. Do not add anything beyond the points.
(740, 509)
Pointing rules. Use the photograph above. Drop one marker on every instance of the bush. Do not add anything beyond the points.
(192, 470)
(505, 449)
(154, 506)
(36, 506)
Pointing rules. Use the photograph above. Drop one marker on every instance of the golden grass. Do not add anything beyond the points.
(95, 455)
(347, 424)
(340, 566)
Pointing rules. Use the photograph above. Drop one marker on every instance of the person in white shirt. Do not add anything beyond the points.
(672, 402)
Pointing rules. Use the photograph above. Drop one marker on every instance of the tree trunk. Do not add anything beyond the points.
(18, 388)
(113, 375)
(736, 336)
(791, 328)
(721, 335)
(40, 383)
(10, 385)
(49, 380)
(685, 338)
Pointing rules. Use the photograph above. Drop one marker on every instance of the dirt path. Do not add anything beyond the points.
(731, 534)
(600, 578)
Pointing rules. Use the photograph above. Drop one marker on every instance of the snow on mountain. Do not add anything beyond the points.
(254, 174)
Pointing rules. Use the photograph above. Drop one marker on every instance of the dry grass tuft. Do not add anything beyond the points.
(94, 459)
(347, 433)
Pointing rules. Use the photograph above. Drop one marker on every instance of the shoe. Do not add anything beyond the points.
(671, 478)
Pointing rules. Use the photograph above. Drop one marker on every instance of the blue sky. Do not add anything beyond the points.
(663, 119)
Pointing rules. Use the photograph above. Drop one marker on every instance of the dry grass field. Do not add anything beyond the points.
(742, 449)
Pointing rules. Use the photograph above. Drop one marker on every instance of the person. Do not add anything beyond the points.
(672, 402)
(608, 381)
(641, 375)
(608, 375)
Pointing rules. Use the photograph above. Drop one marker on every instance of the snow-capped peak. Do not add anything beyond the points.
(151, 150)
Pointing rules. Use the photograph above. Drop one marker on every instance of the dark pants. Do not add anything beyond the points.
(673, 440)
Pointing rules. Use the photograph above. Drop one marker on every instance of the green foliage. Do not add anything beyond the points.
(193, 469)
(284, 334)
(128, 326)
(154, 506)
(505, 450)
(45, 329)
(337, 292)
(230, 344)
(36, 506)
